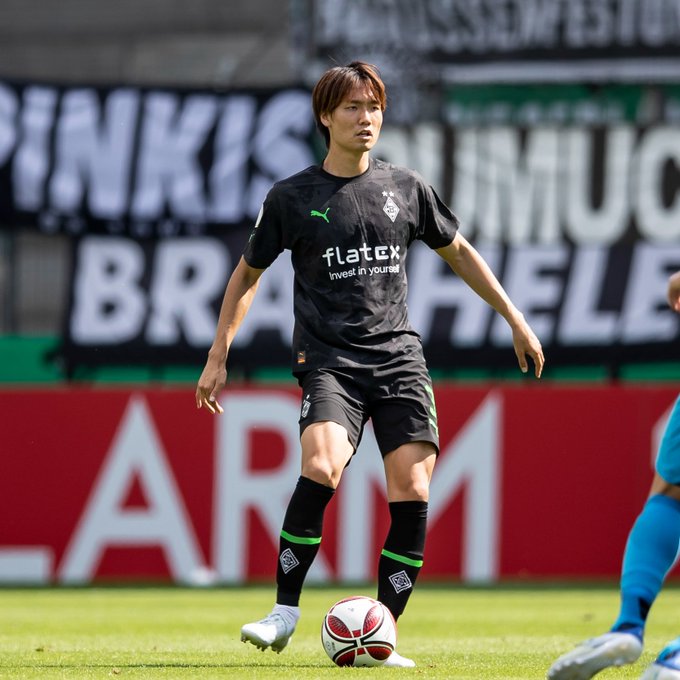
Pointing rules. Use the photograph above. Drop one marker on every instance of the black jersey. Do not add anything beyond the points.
(348, 239)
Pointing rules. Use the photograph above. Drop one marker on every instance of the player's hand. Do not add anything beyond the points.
(525, 342)
(210, 384)
(674, 292)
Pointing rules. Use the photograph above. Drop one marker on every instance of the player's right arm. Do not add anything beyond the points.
(238, 297)
(674, 291)
(469, 265)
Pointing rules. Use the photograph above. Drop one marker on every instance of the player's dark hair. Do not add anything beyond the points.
(337, 82)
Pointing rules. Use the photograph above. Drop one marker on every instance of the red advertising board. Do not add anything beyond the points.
(533, 481)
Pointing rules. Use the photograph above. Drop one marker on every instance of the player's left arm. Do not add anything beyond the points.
(467, 263)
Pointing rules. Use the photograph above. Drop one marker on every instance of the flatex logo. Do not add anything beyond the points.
(364, 254)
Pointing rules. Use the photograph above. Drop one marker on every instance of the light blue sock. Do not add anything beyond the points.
(651, 550)
(671, 649)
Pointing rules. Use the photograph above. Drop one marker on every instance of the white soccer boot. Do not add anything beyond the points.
(667, 664)
(275, 630)
(395, 660)
(591, 656)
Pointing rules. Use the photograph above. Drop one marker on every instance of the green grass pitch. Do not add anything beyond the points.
(511, 632)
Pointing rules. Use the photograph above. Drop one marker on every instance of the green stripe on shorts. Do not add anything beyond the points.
(433, 409)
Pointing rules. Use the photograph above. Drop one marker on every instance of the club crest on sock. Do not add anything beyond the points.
(288, 560)
(400, 581)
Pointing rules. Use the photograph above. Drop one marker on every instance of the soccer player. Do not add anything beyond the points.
(651, 551)
(348, 224)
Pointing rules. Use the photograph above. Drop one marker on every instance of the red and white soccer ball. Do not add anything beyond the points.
(359, 631)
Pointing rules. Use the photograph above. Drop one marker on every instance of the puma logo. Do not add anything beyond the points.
(322, 215)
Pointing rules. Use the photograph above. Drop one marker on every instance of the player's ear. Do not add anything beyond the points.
(325, 118)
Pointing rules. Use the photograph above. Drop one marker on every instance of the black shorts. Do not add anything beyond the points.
(397, 398)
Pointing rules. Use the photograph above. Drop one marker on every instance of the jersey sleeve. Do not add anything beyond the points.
(437, 225)
(265, 242)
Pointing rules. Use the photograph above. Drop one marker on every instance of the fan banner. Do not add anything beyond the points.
(115, 485)
(156, 302)
(145, 162)
(459, 41)
(160, 188)
(148, 163)
(581, 225)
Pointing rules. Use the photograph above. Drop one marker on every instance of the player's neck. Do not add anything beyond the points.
(342, 164)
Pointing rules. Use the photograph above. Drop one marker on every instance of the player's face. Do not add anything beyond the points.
(355, 124)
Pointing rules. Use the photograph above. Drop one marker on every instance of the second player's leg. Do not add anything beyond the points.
(661, 486)
(650, 553)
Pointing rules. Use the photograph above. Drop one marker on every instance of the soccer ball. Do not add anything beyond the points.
(359, 631)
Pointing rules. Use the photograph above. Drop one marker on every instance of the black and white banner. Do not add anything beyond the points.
(160, 188)
(145, 162)
(156, 303)
(580, 224)
(491, 41)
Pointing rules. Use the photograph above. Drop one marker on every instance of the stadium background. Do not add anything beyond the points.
(136, 142)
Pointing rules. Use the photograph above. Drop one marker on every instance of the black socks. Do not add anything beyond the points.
(400, 560)
(300, 538)
(402, 556)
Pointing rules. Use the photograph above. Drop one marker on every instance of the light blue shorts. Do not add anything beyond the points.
(668, 458)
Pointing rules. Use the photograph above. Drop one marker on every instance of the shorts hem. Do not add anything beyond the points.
(425, 437)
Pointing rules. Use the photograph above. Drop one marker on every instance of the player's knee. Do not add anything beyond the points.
(418, 491)
(409, 489)
(321, 471)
